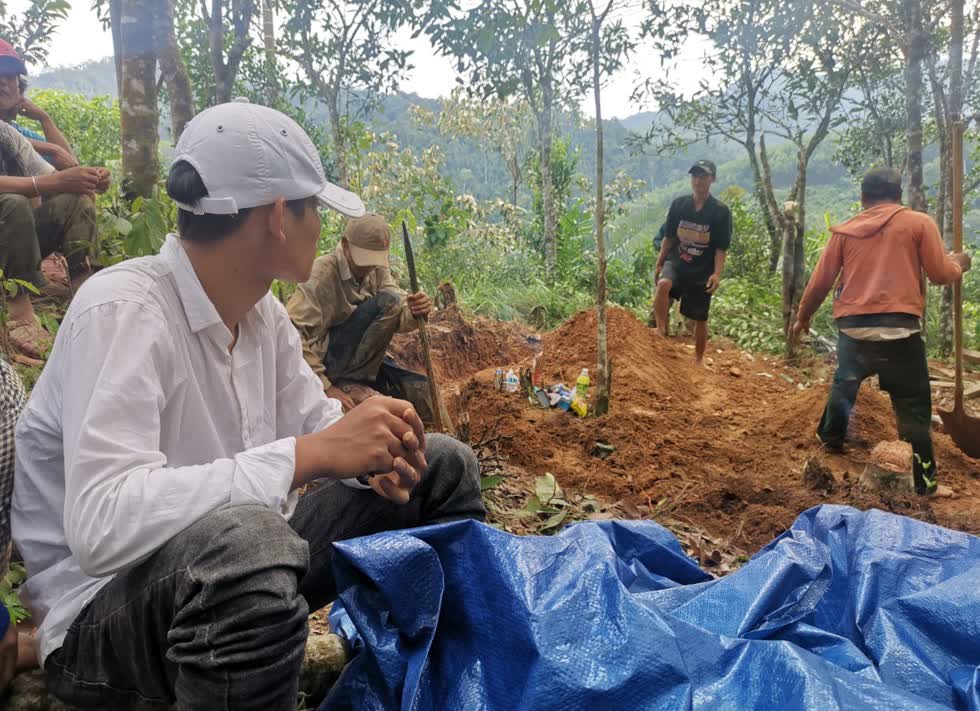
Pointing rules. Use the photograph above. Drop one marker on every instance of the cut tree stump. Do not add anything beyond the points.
(890, 468)
(326, 655)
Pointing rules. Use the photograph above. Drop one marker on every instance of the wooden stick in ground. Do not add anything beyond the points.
(442, 421)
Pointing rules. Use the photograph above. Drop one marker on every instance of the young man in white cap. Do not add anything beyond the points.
(349, 310)
(158, 458)
(692, 257)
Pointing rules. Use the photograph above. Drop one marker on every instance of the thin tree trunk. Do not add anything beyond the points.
(216, 42)
(115, 22)
(794, 258)
(269, 38)
(915, 49)
(913, 101)
(515, 179)
(601, 406)
(173, 70)
(955, 109)
(138, 101)
(549, 239)
(339, 144)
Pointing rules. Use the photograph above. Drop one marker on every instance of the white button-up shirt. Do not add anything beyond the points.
(143, 422)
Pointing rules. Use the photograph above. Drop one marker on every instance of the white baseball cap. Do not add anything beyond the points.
(250, 155)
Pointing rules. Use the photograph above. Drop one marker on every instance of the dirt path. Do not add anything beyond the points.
(721, 448)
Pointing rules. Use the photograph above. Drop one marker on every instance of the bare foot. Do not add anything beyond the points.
(26, 651)
(944, 492)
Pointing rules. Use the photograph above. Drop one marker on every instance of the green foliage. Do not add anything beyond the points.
(31, 32)
(748, 255)
(547, 504)
(91, 125)
(132, 229)
(8, 593)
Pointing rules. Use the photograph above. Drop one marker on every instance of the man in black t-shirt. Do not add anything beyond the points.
(692, 258)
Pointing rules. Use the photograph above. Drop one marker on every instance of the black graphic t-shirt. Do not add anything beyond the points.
(698, 234)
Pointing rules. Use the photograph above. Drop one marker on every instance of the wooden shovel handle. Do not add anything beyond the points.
(958, 247)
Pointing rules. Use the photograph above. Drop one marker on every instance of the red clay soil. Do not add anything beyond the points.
(721, 447)
(462, 347)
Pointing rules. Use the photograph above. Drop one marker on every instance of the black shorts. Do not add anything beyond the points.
(695, 301)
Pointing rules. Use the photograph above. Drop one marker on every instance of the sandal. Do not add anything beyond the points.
(29, 338)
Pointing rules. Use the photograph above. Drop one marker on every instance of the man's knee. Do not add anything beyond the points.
(244, 541)
(454, 467)
(11, 204)
(664, 286)
(388, 302)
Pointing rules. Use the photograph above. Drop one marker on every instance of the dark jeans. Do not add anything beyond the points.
(903, 373)
(357, 346)
(216, 619)
(64, 223)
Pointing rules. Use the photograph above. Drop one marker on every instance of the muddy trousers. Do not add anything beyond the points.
(63, 223)
(215, 620)
(903, 373)
(357, 346)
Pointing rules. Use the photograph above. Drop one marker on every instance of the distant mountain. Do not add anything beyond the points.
(482, 173)
(97, 78)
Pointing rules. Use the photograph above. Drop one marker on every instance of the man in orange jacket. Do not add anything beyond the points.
(879, 256)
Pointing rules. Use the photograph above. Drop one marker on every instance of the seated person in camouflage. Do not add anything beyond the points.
(42, 210)
(52, 144)
(349, 310)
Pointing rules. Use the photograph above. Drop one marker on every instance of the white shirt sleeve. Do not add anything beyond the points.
(122, 501)
(301, 405)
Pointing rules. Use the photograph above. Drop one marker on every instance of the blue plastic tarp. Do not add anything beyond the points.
(846, 610)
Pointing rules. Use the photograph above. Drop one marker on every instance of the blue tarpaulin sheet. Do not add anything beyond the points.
(846, 610)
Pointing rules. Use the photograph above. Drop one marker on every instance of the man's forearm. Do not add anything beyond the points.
(55, 136)
(29, 187)
(720, 256)
(665, 247)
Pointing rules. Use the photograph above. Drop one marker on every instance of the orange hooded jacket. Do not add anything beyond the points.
(879, 255)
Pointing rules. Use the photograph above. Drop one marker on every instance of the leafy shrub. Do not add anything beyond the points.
(90, 125)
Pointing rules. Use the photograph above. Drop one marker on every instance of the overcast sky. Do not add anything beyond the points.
(81, 39)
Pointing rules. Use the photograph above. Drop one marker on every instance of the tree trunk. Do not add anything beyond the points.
(115, 22)
(138, 101)
(794, 258)
(955, 109)
(269, 38)
(601, 406)
(915, 38)
(216, 42)
(339, 142)
(173, 70)
(915, 48)
(549, 240)
(515, 179)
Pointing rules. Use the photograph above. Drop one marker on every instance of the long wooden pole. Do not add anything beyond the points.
(957, 166)
(439, 414)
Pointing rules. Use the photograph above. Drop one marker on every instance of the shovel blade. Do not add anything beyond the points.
(964, 430)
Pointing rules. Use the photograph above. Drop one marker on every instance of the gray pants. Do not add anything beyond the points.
(63, 223)
(216, 619)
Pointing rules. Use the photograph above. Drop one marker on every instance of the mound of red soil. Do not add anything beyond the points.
(460, 348)
(723, 447)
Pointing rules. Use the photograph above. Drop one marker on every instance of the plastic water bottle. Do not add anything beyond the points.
(580, 403)
(511, 383)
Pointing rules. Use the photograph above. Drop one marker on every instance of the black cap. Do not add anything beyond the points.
(882, 184)
(704, 166)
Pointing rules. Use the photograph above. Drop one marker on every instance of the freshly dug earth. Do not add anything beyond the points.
(722, 448)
